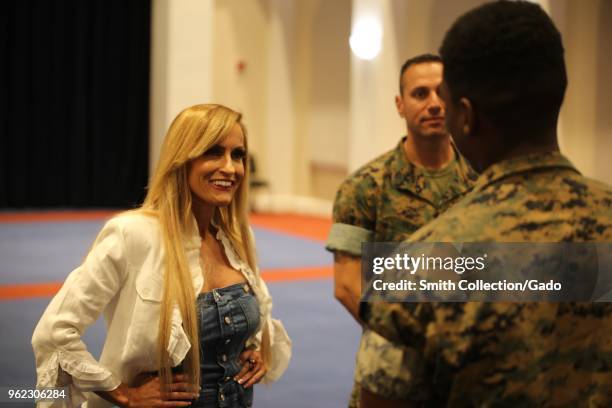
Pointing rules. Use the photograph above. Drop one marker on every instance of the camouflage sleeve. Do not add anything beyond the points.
(354, 215)
(402, 323)
(347, 238)
(405, 326)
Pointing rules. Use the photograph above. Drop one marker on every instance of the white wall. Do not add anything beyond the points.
(603, 94)
(181, 73)
(329, 78)
(314, 111)
(241, 36)
(586, 124)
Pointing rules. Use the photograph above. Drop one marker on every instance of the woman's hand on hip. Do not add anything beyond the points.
(253, 368)
(149, 394)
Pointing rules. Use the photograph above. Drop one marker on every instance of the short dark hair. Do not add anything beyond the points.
(506, 57)
(419, 59)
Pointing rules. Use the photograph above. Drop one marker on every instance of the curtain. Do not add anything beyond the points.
(74, 96)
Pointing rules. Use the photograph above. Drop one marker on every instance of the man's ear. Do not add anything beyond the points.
(468, 118)
(399, 105)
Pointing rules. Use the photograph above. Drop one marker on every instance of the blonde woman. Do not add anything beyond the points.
(187, 314)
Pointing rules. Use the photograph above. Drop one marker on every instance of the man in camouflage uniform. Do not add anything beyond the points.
(504, 82)
(387, 200)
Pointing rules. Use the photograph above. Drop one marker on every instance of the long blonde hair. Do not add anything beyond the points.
(193, 131)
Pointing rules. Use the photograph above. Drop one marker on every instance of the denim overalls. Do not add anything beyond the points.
(227, 318)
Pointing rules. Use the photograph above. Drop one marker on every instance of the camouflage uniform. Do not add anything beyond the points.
(386, 201)
(511, 354)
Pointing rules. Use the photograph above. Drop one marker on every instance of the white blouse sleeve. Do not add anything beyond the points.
(62, 358)
(280, 343)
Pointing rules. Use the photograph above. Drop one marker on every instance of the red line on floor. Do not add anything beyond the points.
(301, 226)
(25, 291)
(46, 216)
(36, 290)
(293, 274)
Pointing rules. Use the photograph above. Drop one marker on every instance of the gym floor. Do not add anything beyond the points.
(38, 250)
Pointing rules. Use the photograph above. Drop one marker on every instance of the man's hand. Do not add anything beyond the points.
(347, 282)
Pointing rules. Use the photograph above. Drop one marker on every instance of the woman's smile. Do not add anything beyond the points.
(217, 173)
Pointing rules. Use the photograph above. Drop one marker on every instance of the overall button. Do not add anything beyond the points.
(227, 320)
(245, 287)
(227, 379)
(224, 357)
(221, 396)
(227, 341)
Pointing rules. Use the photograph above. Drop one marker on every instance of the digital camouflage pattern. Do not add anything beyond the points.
(383, 368)
(511, 354)
(392, 197)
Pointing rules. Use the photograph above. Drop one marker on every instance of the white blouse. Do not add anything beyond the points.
(122, 278)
